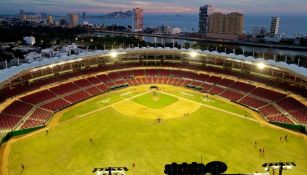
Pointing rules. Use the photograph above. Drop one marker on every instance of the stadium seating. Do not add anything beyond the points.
(8, 122)
(269, 111)
(104, 78)
(216, 90)
(196, 84)
(213, 79)
(164, 73)
(93, 91)
(102, 87)
(233, 96)
(188, 75)
(225, 82)
(125, 74)
(17, 108)
(45, 102)
(41, 114)
(252, 102)
(151, 72)
(32, 123)
(83, 83)
(206, 87)
(56, 105)
(149, 80)
(64, 88)
(290, 104)
(139, 81)
(267, 94)
(300, 115)
(242, 86)
(38, 97)
(76, 97)
(202, 77)
(279, 118)
(138, 72)
(94, 80)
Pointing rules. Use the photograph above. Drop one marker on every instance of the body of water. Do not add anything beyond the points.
(289, 25)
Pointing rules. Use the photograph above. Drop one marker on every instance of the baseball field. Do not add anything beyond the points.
(150, 128)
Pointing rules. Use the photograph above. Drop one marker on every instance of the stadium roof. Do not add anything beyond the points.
(12, 71)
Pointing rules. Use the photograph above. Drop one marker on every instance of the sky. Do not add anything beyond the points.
(287, 7)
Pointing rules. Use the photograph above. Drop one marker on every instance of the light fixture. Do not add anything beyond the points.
(193, 54)
(261, 65)
(113, 54)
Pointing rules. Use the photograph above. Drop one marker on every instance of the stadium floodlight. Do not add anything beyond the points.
(193, 54)
(280, 166)
(261, 65)
(110, 170)
(113, 54)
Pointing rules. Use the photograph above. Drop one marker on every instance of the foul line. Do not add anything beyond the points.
(112, 104)
(218, 109)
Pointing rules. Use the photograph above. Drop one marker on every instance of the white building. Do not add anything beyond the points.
(176, 30)
(275, 25)
(29, 40)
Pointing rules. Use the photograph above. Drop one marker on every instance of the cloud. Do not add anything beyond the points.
(155, 6)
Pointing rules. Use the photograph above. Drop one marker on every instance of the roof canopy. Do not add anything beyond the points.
(12, 71)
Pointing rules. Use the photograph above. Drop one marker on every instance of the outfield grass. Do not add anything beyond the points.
(155, 100)
(121, 140)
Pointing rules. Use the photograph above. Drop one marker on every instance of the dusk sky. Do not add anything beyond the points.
(286, 7)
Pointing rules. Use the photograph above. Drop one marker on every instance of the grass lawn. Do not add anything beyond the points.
(121, 140)
(155, 101)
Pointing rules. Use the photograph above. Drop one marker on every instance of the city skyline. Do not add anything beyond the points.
(157, 6)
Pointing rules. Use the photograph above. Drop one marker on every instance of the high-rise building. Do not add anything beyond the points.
(138, 19)
(204, 13)
(234, 23)
(230, 24)
(83, 15)
(216, 23)
(50, 20)
(22, 15)
(73, 19)
(275, 25)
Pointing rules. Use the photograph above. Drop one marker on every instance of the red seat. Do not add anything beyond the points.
(56, 105)
(233, 96)
(252, 102)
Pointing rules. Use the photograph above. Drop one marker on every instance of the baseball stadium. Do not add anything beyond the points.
(144, 108)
